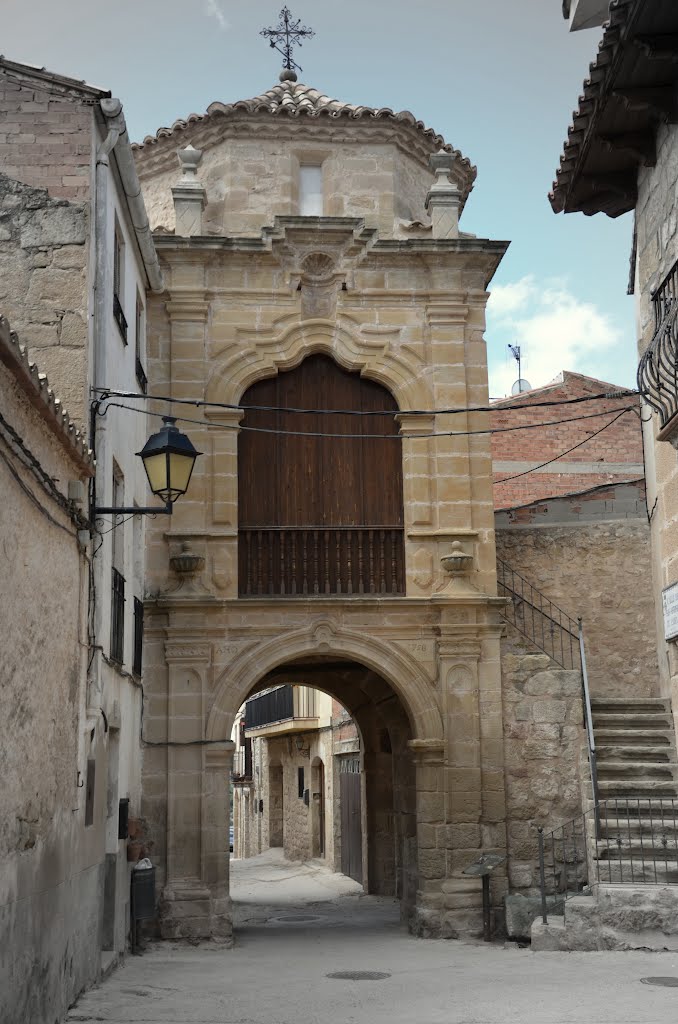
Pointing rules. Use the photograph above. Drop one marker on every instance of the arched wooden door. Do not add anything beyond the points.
(320, 514)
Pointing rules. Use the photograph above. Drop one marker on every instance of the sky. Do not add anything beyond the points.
(499, 79)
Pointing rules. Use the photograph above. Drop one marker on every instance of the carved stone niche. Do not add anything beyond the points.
(320, 280)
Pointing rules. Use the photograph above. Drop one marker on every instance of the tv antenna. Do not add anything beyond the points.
(521, 384)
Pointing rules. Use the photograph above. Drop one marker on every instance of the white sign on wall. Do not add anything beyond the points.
(670, 606)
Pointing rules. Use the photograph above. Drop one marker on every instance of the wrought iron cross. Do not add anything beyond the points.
(289, 33)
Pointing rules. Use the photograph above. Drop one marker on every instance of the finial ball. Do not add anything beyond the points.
(288, 75)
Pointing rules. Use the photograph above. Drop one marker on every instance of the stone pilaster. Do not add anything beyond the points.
(215, 835)
(185, 906)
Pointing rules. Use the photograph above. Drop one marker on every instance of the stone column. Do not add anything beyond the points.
(215, 835)
(188, 195)
(444, 198)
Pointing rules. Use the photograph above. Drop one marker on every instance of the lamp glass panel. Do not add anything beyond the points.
(180, 468)
(156, 471)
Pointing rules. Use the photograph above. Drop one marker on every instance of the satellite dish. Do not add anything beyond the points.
(521, 385)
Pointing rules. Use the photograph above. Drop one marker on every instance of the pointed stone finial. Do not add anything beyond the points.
(189, 194)
(444, 198)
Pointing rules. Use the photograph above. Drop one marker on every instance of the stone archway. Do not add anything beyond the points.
(386, 778)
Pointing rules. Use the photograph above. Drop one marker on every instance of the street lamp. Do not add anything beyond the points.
(168, 459)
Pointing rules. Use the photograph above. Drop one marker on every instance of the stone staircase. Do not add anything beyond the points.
(638, 787)
(636, 842)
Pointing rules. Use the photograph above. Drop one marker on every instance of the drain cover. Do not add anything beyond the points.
(664, 982)
(358, 975)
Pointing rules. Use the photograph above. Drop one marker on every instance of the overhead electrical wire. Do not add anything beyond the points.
(363, 437)
(199, 403)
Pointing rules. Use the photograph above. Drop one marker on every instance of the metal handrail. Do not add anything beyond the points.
(588, 723)
(534, 615)
(563, 641)
(635, 842)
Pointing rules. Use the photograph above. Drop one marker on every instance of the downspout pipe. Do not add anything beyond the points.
(122, 150)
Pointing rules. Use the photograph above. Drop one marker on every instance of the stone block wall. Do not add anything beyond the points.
(600, 571)
(45, 137)
(43, 284)
(51, 877)
(543, 736)
(657, 252)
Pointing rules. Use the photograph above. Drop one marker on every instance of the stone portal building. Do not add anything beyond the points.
(313, 260)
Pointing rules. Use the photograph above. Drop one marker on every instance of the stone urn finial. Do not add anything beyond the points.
(188, 566)
(458, 564)
(443, 200)
(189, 158)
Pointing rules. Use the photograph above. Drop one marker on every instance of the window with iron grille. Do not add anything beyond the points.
(118, 617)
(137, 664)
(119, 282)
(140, 325)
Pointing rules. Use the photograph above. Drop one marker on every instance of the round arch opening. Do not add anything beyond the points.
(326, 785)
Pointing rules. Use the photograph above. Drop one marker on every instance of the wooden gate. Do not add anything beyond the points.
(351, 818)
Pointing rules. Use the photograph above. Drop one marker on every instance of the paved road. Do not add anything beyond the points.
(298, 923)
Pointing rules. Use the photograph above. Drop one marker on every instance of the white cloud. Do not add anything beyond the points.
(213, 10)
(555, 330)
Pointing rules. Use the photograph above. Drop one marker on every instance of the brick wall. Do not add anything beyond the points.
(45, 136)
(514, 451)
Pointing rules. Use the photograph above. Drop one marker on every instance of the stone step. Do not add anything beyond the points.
(638, 737)
(632, 829)
(640, 753)
(638, 847)
(635, 787)
(638, 770)
(632, 704)
(639, 807)
(605, 720)
(637, 872)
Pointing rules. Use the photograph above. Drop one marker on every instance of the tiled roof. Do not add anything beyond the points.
(296, 100)
(612, 129)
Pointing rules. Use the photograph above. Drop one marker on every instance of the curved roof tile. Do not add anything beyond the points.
(294, 99)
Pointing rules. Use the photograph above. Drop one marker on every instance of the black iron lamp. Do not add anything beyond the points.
(168, 458)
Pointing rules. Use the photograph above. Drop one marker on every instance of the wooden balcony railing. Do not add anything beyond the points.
(289, 561)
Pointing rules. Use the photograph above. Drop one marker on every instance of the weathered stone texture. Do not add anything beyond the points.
(542, 714)
(657, 243)
(601, 572)
(51, 876)
(45, 138)
(43, 284)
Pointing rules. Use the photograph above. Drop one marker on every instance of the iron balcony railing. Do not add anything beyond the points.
(658, 366)
(290, 561)
(555, 633)
(117, 617)
(282, 704)
(622, 841)
(137, 663)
